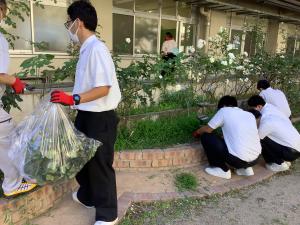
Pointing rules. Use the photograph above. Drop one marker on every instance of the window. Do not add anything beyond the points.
(184, 9)
(148, 6)
(169, 7)
(128, 4)
(39, 27)
(123, 34)
(23, 31)
(250, 43)
(167, 26)
(236, 39)
(187, 35)
(147, 21)
(146, 31)
(49, 19)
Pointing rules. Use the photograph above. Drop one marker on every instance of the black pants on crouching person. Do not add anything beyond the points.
(97, 179)
(276, 153)
(218, 155)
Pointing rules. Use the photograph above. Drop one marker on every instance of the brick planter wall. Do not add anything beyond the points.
(18, 210)
(159, 159)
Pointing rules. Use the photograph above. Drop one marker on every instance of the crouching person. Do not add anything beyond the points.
(240, 147)
(280, 140)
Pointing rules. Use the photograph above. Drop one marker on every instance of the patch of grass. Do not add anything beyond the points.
(186, 182)
(162, 212)
(162, 132)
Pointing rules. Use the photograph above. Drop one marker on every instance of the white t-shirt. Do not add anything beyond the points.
(95, 68)
(276, 98)
(278, 128)
(4, 64)
(169, 46)
(239, 131)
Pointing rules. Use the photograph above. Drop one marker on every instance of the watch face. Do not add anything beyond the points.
(76, 98)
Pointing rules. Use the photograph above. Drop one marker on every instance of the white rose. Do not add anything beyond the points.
(160, 77)
(138, 51)
(282, 56)
(230, 61)
(128, 40)
(231, 55)
(227, 81)
(240, 68)
(224, 63)
(230, 47)
(245, 54)
(201, 43)
(241, 79)
(178, 87)
(246, 79)
(222, 29)
(192, 50)
(212, 59)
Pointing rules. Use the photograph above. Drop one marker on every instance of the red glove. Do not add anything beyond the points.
(61, 98)
(18, 86)
(196, 134)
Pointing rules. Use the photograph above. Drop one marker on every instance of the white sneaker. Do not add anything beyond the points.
(288, 163)
(277, 167)
(218, 172)
(106, 223)
(75, 199)
(245, 172)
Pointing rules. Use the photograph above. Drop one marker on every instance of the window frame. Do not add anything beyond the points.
(34, 51)
(160, 17)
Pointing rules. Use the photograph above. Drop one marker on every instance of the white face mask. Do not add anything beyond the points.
(73, 37)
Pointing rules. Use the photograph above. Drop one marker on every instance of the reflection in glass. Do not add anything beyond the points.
(122, 34)
(127, 4)
(169, 7)
(149, 6)
(49, 27)
(146, 31)
(187, 37)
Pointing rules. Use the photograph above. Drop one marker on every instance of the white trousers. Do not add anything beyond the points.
(12, 177)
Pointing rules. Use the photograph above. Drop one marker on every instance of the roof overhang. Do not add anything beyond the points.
(272, 9)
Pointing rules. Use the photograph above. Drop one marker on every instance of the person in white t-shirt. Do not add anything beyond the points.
(240, 147)
(96, 95)
(13, 183)
(274, 96)
(279, 138)
(169, 47)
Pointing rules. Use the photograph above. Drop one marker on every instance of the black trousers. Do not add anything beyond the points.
(218, 155)
(276, 153)
(97, 179)
(166, 58)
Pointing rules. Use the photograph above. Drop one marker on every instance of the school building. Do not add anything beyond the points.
(142, 24)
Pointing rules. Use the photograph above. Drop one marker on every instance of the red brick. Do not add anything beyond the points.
(153, 154)
(181, 161)
(190, 153)
(117, 155)
(140, 164)
(174, 153)
(121, 164)
(162, 163)
(127, 155)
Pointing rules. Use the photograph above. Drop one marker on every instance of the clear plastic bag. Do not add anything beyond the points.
(47, 147)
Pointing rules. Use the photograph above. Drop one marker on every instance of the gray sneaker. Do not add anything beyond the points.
(245, 172)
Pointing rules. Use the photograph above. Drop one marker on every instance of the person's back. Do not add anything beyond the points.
(277, 98)
(278, 128)
(274, 96)
(240, 133)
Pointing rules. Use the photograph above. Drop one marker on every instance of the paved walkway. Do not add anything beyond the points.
(147, 186)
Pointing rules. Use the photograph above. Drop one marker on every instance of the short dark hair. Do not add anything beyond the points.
(169, 34)
(256, 100)
(227, 101)
(264, 84)
(255, 113)
(3, 2)
(84, 11)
